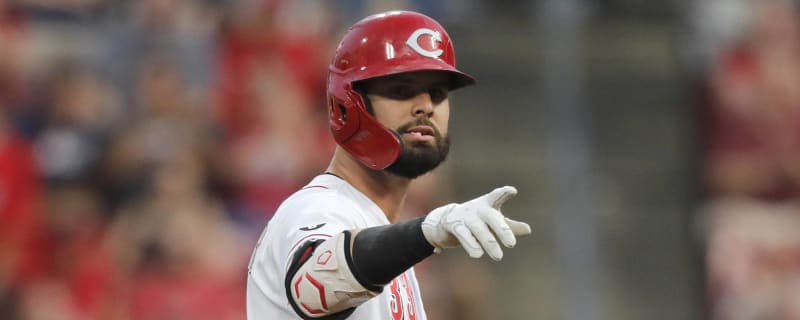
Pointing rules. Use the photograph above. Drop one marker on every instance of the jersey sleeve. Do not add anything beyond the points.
(324, 288)
(321, 216)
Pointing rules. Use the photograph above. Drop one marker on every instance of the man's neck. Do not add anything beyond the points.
(388, 191)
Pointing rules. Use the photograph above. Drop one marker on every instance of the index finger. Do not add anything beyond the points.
(499, 196)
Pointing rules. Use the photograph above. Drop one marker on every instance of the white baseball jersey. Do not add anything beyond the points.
(325, 207)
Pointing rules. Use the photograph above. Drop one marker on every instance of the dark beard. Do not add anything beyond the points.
(420, 157)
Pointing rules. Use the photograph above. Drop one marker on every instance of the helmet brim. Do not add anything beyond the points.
(458, 79)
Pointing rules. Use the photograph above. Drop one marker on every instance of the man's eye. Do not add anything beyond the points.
(438, 94)
(402, 92)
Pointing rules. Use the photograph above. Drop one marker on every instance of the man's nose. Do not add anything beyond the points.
(423, 105)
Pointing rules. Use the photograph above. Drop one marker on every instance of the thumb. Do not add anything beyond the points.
(518, 228)
(499, 196)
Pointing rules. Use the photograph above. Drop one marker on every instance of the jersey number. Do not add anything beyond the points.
(402, 303)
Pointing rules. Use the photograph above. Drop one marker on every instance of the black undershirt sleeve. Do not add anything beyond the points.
(382, 253)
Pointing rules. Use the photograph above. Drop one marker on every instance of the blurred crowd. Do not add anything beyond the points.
(145, 144)
(750, 129)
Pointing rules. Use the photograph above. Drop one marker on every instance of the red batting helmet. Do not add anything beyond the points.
(379, 45)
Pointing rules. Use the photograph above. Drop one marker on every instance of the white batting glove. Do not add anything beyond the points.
(474, 225)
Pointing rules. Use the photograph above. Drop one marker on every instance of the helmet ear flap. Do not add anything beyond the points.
(343, 115)
(359, 133)
(338, 114)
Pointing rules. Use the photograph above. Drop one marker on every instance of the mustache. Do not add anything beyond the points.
(419, 122)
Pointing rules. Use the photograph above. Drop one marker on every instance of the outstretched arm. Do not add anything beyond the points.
(330, 278)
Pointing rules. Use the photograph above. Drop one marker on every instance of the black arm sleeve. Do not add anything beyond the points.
(382, 253)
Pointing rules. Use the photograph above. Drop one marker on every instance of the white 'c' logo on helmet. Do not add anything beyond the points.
(413, 42)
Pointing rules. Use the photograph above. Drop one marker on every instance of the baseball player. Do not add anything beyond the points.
(333, 249)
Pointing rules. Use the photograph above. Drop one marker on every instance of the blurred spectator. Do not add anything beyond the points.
(255, 39)
(753, 126)
(81, 115)
(21, 250)
(21, 222)
(14, 45)
(184, 31)
(752, 166)
(184, 259)
(270, 98)
(81, 276)
(286, 145)
(12, 38)
(166, 122)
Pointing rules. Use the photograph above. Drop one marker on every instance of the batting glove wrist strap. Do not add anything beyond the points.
(475, 225)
